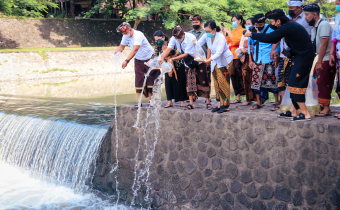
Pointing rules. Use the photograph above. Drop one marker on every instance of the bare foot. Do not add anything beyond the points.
(246, 103)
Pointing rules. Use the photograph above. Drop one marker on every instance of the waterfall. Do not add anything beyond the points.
(60, 152)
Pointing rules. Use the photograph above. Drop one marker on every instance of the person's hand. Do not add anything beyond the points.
(228, 31)
(247, 34)
(331, 60)
(276, 60)
(125, 63)
(161, 61)
(202, 60)
(318, 67)
(117, 50)
(272, 54)
(251, 64)
(224, 30)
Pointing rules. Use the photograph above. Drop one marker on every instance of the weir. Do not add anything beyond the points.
(239, 160)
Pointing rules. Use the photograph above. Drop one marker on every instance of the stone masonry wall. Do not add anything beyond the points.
(229, 161)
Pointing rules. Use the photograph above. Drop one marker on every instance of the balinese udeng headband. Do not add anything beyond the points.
(260, 18)
(179, 33)
(123, 27)
(275, 14)
(196, 18)
(311, 8)
(295, 3)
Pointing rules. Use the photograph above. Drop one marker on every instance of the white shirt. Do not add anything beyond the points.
(300, 19)
(336, 31)
(186, 46)
(145, 50)
(220, 53)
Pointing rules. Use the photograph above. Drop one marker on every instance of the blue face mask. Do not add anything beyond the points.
(210, 35)
(337, 8)
(248, 26)
(234, 24)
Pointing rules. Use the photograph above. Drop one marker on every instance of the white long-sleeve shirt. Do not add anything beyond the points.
(220, 53)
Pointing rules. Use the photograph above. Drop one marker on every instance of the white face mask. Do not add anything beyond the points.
(126, 36)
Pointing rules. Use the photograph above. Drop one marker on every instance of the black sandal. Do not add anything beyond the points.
(209, 106)
(189, 107)
(236, 101)
(288, 114)
(222, 109)
(276, 107)
(256, 106)
(168, 106)
(215, 109)
(322, 114)
(301, 117)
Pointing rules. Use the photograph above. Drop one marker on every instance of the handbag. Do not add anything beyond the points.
(189, 60)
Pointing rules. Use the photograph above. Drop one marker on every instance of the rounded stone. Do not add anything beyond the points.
(211, 185)
(184, 183)
(231, 171)
(202, 147)
(266, 192)
(260, 176)
(337, 184)
(319, 147)
(223, 188)
(308, 154)
(130, 153)
(306, 180)
(271, 205)
(251, 191)
(236, 158)
(235, 187)
(207, 172)
(172, 198)
(202, 194)
(197, 180)
(229, 198)
(202, 161)
(294, 182)
(276, 175)
(251, 161)
(315, 172)
(311, 197)
(215, 199)
(190, 167)
(194, 203)
(206, 205)
(175, 179)
(297, 198)
(280, 206)
(334, 197)
(182, 198)
(173, 156)
(191, 192)
(180, 167)
(299, 167)
(283, 193)
(266, 163)
(211, 152)
(216, 163)
(225, 205)
(243, 200)
(245, 176)
(259, 205)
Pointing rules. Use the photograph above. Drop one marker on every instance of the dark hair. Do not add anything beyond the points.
(239, 17)
(252, 20)
(197, 17)
(212, 25)
(160, 33)
(284, 19)
(176, 30)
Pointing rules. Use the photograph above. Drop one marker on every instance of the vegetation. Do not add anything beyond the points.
(58, 69)
(26, 8)
(56, 49)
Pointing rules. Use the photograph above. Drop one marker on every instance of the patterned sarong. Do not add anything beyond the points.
(263, 76)
(198, 81)
(221, 77)
(285, 65)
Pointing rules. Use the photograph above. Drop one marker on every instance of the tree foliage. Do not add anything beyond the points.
(25, 8)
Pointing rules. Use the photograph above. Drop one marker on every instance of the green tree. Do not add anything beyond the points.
(25, 8)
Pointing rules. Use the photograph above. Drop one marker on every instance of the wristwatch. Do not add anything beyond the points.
(127, 60)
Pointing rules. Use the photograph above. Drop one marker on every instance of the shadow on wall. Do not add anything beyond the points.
(7, 43)
(87, 33)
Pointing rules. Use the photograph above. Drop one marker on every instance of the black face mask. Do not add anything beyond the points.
(292, 13)
(312, 22)
(273, 26)
(260, 28)
(196, 26)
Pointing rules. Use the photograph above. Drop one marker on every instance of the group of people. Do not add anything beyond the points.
(258, 57)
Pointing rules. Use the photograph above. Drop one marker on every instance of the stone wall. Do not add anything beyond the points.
(229, 161)
(42, 33)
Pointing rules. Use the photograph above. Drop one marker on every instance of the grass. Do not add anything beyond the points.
(43, 55)
(55, 49)
(57, 84)
(57, 69)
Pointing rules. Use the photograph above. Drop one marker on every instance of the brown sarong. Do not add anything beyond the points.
(198, 81)
(236, 77)
(325, 82)
(247, 77)
(140, 70)
(221, 77)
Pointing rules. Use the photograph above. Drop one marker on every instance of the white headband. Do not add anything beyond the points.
(295, 3)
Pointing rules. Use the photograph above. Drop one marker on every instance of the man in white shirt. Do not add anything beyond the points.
(142, 51)
(197, 77)
(321, 38)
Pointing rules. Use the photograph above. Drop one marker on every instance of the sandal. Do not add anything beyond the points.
(236, 101)
(209, 106)
(215, 109)
(276, 107)
(168, 106)
(222, 109)
(322, 114)
(189, 107)
(288, 114)
(136, 106)
(256, 106)
(301, 117)
(247, 103)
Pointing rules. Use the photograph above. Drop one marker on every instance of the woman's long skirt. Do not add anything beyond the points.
(176, 88)
(198, 81)
(236, 77)
(221, 77)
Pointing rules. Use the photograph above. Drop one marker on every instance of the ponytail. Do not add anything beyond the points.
(212, 25)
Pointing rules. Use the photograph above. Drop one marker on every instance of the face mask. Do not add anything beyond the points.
(337, 7)
(260, 28)
(292, 13)
(196, 26)
(126, 36)
(248, 26)
(160, 42)
(210, 35)
(312, 22)
(234, 24)
(273, 27)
